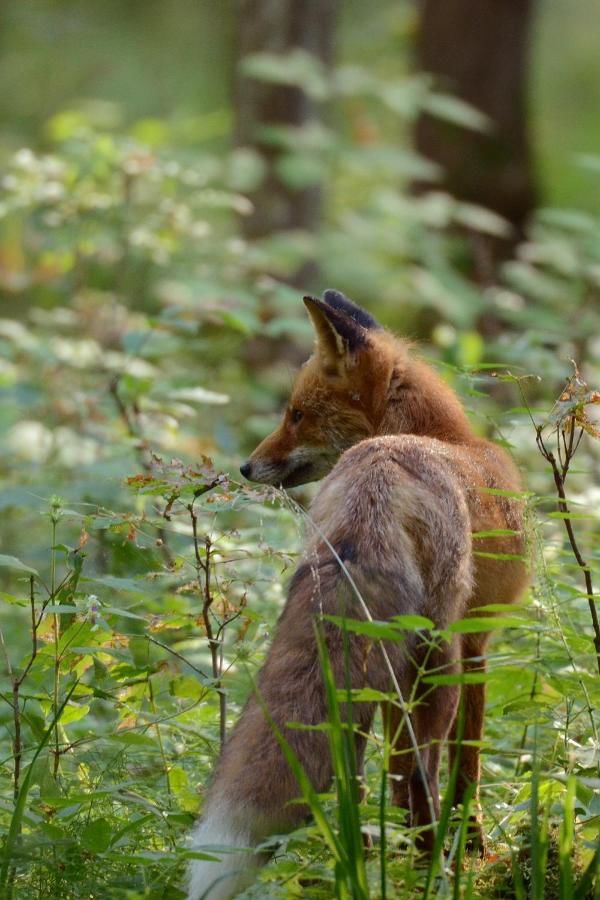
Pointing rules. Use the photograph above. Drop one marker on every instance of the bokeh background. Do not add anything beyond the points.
(213, 160)
(175, 175)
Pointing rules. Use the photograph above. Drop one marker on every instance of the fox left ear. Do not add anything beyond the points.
(339, 301)
(338, 335)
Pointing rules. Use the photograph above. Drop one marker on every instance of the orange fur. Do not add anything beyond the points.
(406, 488)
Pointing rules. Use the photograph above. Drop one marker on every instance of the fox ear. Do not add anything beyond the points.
(339, 301)
(338, 335)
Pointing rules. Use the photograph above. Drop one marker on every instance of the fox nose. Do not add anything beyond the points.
(245, 469)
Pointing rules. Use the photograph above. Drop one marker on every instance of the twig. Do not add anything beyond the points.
(57, 659)
(560, 476)
(177, 655)
(17, 681)
(203, 569)
(141, 449)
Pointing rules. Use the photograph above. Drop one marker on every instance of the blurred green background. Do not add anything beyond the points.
(174, 60)
(175, 175)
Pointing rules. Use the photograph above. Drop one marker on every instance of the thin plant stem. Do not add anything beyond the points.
(203, 570)
(560, 470)
(177, 655)
(130, 420)
(56, 620)
(17, 816)
(160, 742)
(17, 682)
(532, 696)
(560, 477)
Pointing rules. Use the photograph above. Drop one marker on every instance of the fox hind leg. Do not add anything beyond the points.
(466, 756)
(431, 729)
(401, 760)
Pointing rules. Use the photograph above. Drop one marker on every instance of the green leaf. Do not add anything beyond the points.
(297, 68)
(133, 738)
(483, 623)
(451, 109)
(501, 608)
(130, 827)
(571, 515)
(413, 623)
(299, 171)
(198, 395)
(498, 532)
(485, 555)
(60, 609)
(246, 170)
(457, 678)
(96, 836)
(11, 562)
(187, 687)
(482, 220)
(14, 601)
(119, 584)
(363, 695)
(74, 713)
(152, 857)
(498, 492)
(376, 630)
(122, 612)
(470, 349)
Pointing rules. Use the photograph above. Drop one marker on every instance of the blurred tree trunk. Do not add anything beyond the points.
(280, 26)
(477, 50)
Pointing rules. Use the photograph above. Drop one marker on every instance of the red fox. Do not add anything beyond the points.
(405, 488)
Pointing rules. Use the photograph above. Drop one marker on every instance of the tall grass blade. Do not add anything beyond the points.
(567, 834)
(382, 828)
(309, 794)
(539, 839)
(436, 863)
(343, 758)
(462, 838)
(589, 879)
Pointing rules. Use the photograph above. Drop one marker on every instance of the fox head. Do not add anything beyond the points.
(338, 399)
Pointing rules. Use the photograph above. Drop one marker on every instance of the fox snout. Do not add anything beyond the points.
(263, 471)
(296, 468)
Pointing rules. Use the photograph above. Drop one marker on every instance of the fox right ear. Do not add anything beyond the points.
(339, 337)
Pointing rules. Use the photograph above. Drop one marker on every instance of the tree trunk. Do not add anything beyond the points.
(477, 50)
(279, 26)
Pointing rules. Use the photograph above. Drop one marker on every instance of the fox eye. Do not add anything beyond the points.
(296, 415)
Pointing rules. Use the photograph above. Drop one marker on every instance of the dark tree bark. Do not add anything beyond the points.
(477, 50)
(279, 26)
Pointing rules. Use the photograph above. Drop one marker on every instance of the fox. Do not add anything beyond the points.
(407, 483)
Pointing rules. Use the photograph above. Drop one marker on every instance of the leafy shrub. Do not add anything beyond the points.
(134, 614)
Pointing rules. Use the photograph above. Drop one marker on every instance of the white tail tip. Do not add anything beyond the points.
(232, 870)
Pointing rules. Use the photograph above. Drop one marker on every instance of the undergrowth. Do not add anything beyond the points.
(139, 591)
(120, 691)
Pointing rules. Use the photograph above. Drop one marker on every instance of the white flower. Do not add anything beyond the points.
(25, 159)
(80, 354)
(74, 450)
(51, 190)
(30, 440)
(200, 230)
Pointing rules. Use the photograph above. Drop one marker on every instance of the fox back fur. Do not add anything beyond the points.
(408, 484)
